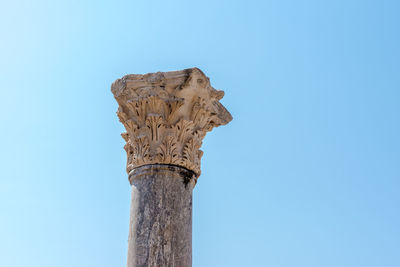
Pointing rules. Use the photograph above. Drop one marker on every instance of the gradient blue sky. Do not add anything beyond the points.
(307, 174)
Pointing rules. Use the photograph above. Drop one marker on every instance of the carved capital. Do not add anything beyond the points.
(166, 116)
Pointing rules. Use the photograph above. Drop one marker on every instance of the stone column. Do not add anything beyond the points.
(166, 116)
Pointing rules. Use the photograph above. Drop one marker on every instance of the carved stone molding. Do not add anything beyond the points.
(166, 116)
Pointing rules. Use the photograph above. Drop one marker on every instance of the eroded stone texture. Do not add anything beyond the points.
(166, 116)
(160, 231)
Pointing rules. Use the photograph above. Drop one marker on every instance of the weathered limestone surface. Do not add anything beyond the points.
(160, 231)
(166, 116)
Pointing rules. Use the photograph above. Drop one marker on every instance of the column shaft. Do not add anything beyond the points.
(160, 232)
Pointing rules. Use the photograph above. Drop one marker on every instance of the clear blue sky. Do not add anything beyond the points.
(307, 174)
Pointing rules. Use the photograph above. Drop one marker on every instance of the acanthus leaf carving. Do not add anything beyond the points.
(166, 116)
(156, 125)
(137, 109)
(200, 114)
(168, 150)
(141, 151)
(184, 129)
(173, 106)
(192, 153)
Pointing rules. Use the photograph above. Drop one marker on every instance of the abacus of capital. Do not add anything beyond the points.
(166, 116)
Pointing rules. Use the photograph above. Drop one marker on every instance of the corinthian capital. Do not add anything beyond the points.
(166, 116)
